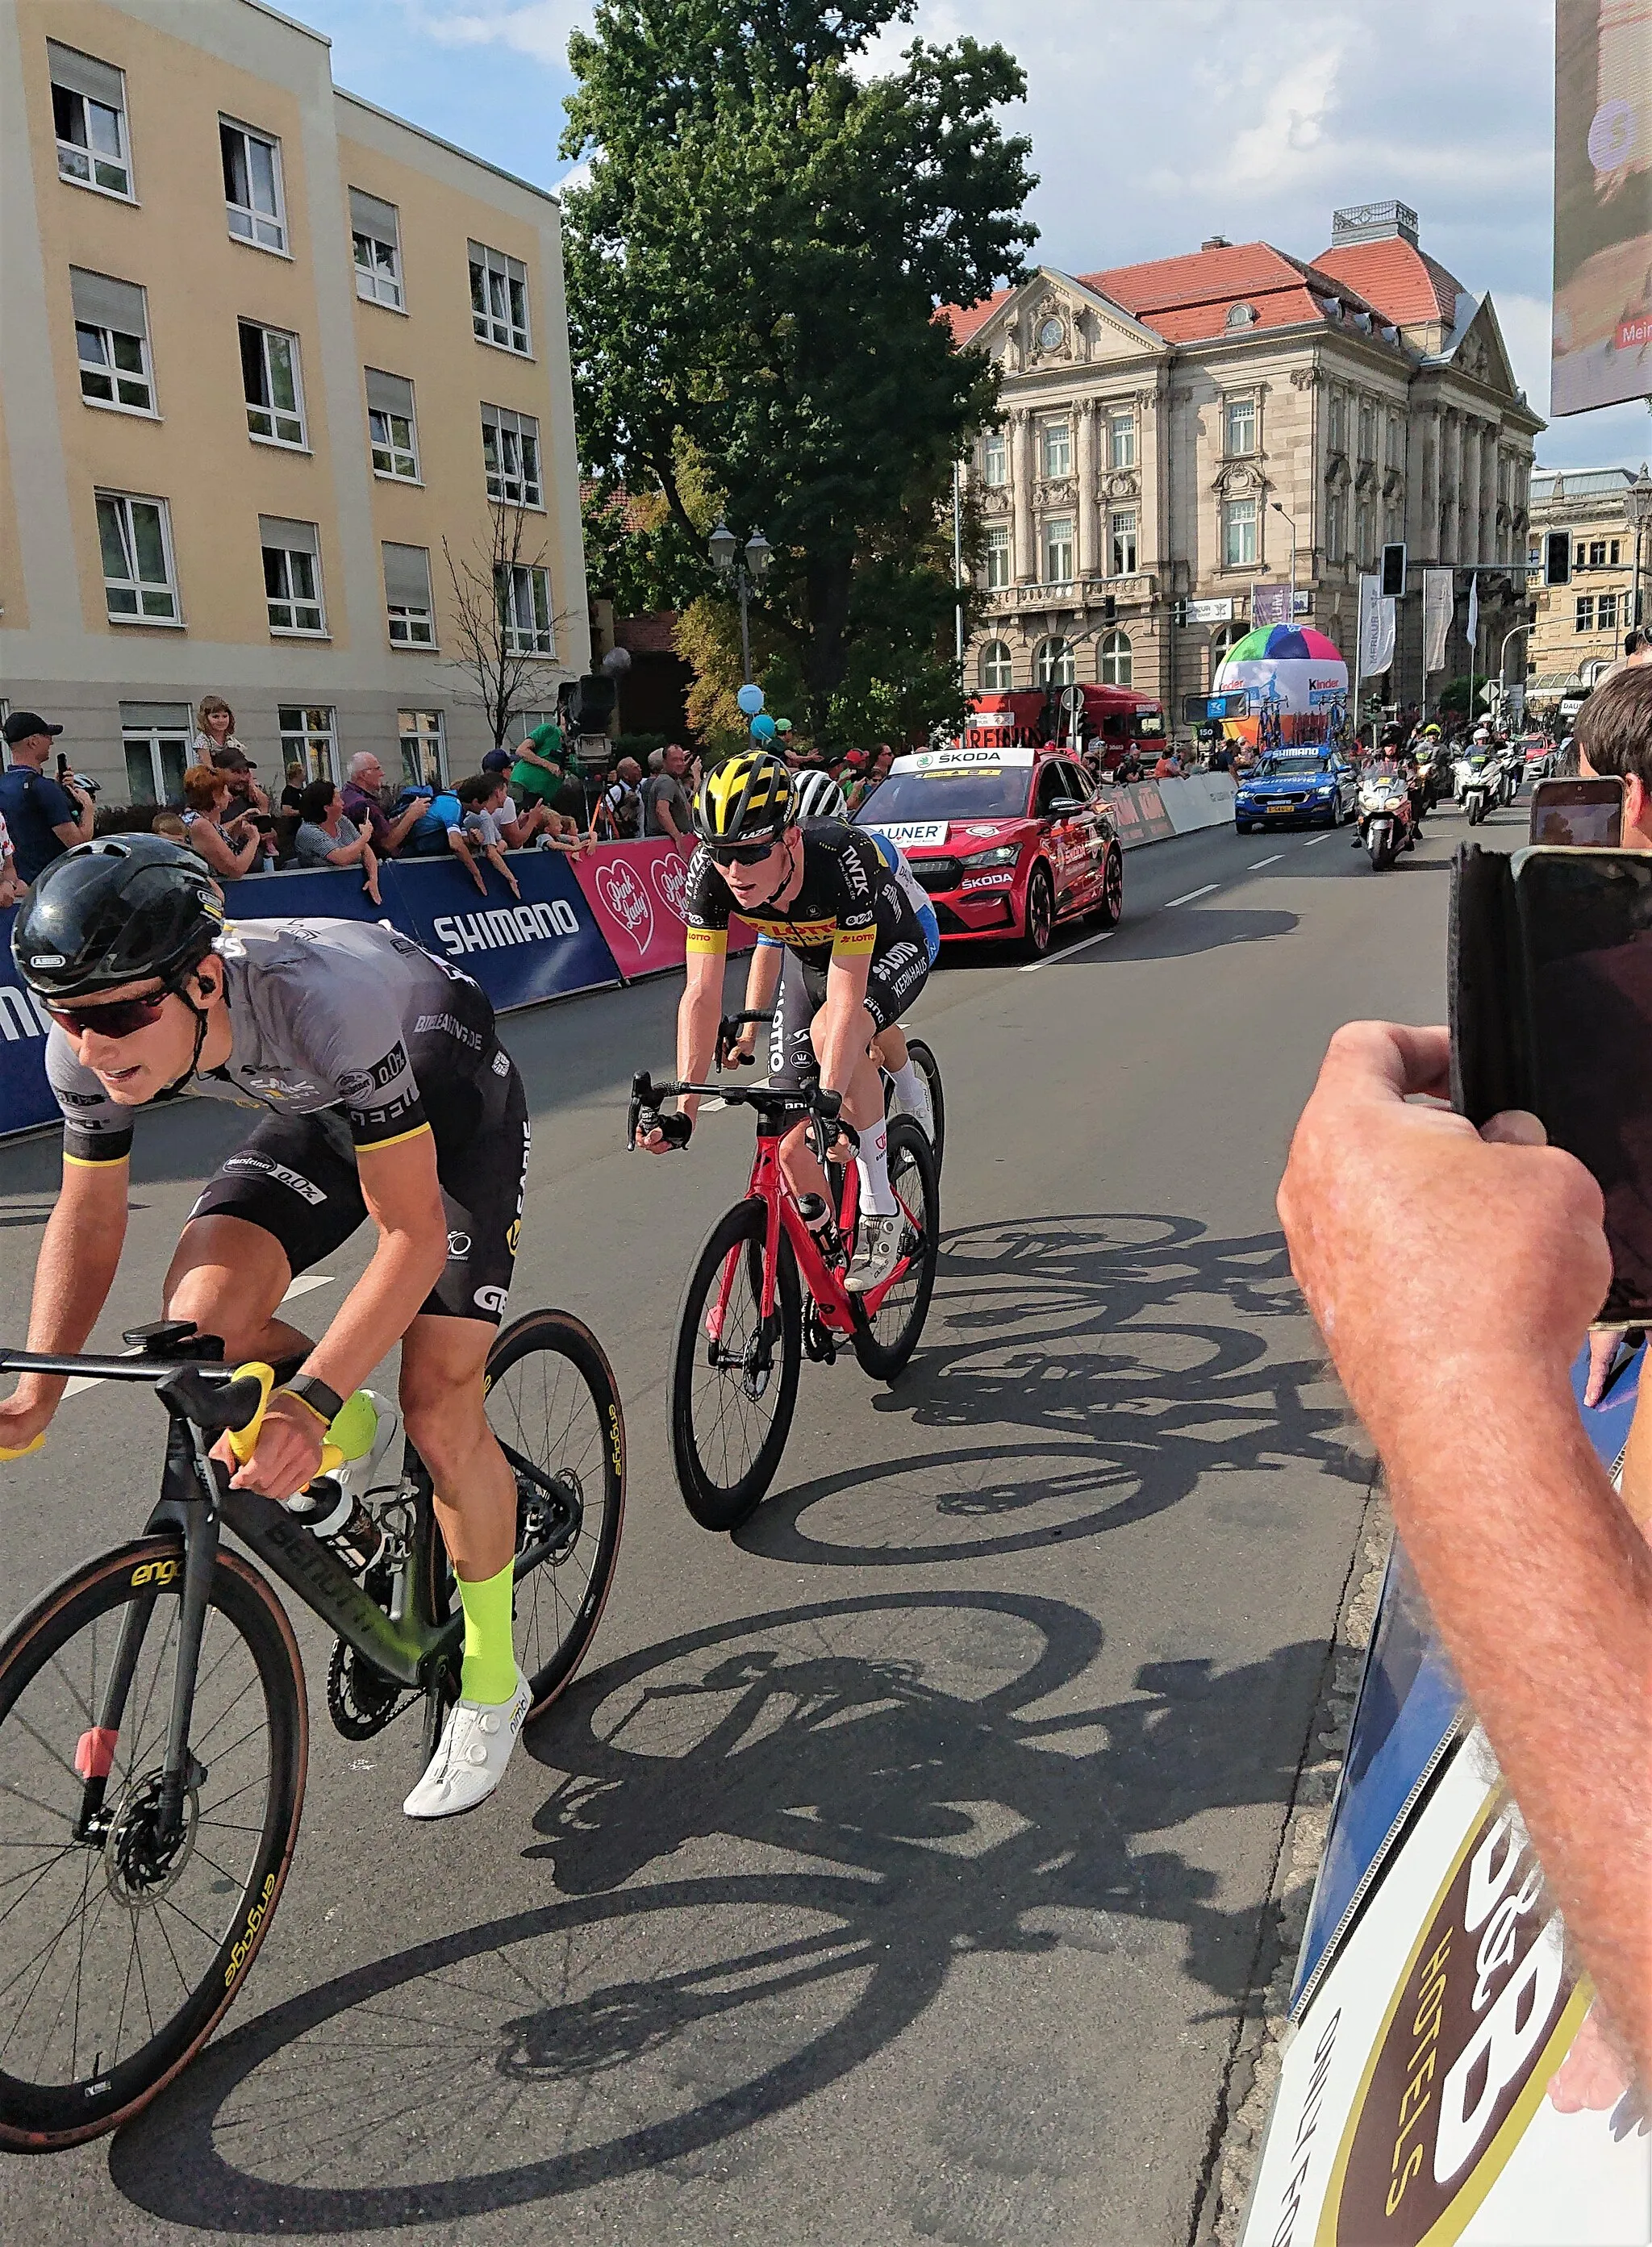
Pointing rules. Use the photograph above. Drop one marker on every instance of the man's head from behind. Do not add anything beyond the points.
(1614, 736)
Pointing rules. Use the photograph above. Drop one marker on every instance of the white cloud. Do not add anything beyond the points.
(537, 28)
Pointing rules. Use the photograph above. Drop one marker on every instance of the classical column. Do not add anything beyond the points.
(1085, 460)
(1452, 485)
(1026, 559)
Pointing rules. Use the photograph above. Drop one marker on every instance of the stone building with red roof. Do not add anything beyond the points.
(1179, 431)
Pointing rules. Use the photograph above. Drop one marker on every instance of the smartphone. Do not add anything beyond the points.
(1578, 814)
(1585, 926)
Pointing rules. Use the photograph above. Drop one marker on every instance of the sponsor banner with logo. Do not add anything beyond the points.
(1413, 2104)
(23, 1097)
(638, 893)
(1140, 814)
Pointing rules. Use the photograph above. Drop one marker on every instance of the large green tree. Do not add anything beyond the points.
(754, 270)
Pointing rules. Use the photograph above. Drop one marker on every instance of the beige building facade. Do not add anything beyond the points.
(262, 350)
(1180, 432)
(1581, 628)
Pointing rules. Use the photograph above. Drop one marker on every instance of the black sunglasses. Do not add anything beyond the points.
(118, 1018)
(741, 854)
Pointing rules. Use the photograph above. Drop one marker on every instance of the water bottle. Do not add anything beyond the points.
(340, 1521)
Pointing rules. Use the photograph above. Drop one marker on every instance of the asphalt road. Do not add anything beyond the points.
(893, 1874)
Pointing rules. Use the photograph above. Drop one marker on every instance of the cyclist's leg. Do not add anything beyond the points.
(288, 1198)
(899, 972)
(792, 1064)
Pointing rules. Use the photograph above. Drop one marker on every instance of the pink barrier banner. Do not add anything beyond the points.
(637, 892)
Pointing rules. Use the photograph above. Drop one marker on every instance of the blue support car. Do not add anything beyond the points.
(1294, 788)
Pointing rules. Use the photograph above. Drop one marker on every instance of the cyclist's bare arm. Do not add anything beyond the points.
(762, 981)
(403, 1194)
(79, 1257)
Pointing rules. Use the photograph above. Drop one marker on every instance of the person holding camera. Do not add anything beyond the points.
(45, 817)
(229, 843)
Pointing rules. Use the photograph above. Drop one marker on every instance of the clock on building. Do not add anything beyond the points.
(1051, 335)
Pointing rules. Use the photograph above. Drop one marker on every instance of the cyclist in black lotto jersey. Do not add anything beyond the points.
(385, 1093)
(825, 892)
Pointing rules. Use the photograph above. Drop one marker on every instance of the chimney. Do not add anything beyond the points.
(1216, 242)
(1390, 221)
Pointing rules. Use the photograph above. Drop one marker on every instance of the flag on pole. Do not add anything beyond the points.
(1438, 608)
(1473, 626)
(1376, 628)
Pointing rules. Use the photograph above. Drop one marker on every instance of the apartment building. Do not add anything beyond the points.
(272, 361)
(1581, 627)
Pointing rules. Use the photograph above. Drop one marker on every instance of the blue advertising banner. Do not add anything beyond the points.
(544, 945)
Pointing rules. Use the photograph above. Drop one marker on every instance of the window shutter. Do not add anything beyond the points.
(297, 537)
(368, 216)
(157, 717)
(83, 74)
(389, 393)
(103, 302)
(407, 575)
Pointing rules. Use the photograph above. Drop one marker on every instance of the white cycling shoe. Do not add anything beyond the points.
(877, 1251)
(476, 1742)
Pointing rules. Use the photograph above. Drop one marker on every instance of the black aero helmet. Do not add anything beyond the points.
(114, 911)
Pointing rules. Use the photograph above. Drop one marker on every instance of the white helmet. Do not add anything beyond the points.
(818, 796)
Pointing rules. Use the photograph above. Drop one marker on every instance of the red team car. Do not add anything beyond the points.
(1008, 841)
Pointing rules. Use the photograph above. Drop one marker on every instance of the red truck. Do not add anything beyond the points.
(1114, 720)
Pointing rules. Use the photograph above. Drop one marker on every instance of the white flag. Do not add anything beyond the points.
(1437, 609)
(1473, 625)
(1376, 629)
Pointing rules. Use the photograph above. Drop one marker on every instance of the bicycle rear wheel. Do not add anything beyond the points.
(929, 1069)
(553, 1400)
(886, 1343)
(120, 1950)
(732, 1396)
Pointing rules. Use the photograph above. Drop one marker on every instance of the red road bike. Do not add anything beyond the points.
(744, 1327)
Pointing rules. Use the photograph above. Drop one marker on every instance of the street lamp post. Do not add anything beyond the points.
(1291, 519)
(1638, 513)
(724, 548)
(1502, 663)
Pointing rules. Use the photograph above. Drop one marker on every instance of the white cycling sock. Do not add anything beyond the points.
(909, 1089)
(876, 1195)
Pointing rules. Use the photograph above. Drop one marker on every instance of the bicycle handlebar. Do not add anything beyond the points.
(820, 1106)
(215, 1397)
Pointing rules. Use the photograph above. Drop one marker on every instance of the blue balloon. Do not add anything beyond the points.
(763, 727)
(750, 700)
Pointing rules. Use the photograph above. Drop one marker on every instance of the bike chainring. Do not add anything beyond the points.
(820, 1344)
(361, 1700)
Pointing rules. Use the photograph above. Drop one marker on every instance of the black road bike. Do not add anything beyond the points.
(154, 1727)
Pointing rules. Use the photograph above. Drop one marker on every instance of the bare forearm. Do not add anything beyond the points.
(697, 1019)
(374, 1316)
(79, 1254)
(842, 1042)
(1542, 1588)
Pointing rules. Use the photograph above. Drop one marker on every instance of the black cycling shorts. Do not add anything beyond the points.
(296, 1179)
(895, 978)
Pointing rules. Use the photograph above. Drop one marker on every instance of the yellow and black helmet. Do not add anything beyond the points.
(749, 798)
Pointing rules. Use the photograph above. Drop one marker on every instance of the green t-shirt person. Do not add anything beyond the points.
(531, 779)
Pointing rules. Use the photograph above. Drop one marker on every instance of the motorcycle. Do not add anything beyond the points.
(1510, 773)
(1481, 787)
(1384, 817)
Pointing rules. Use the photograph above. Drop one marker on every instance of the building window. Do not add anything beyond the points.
(375, 241)
(1239, 534)
(1241, 426)
(1058, 549)
(156, 737)
(1339, 422)
(995, 548)
(1121, 440)
(993, 668)
(1333, 530)
(1058, 449)
(292, 576)
(1222, 639)
(1606, 612)
(89, 111)
(523, 594)
(995, 459)
(1394, 461)
(269, 378)
(1053, 663)
(1582, 562)
(140, 581)
(1613, 552)
(1585, 612)
(111, 342)
(252, 186)
(1123, 542)
(1597, 554)
(1534, 553)
(1362, 543)
(407, 604)
(1367, 433)
(498, 299)
(424, 747)
(391, 434)
(1116, 667)
(510, 454)
(309, 740)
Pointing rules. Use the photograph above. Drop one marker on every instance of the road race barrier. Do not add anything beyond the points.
(1204, 799)
(1434, 1999)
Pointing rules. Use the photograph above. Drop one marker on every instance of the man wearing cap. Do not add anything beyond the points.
(44, 816)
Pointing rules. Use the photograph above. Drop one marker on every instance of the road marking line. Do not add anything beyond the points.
(1313, 839)
(1257, 864)
(1190, 896)
(79, 1383)
(1106, 937)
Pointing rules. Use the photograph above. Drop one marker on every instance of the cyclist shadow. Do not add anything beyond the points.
(1104, 1351)
(891, 1765)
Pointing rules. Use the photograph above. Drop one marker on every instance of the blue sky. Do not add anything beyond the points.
(1154, 123)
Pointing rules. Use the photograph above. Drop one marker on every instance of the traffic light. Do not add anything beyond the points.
(1178, 612)
(1556, 558)
(1393, 572)
(1110, 607)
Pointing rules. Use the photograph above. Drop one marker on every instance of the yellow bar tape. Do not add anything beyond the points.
(243, 1441)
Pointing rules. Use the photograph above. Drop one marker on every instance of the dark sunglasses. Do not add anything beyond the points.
(741, 854)
(119, 1018)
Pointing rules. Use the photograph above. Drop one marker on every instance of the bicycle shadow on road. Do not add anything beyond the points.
(887, 1764)
(1106, 1352)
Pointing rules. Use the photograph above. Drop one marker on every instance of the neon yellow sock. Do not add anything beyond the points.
(489, 1670)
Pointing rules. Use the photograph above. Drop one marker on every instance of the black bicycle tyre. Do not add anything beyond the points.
(563, 1336)
(922, 1056)
(885, 1361)
(715, 1504)
(47, 2119)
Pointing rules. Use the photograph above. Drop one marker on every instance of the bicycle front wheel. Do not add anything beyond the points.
(732, 1390)
(125, 1936)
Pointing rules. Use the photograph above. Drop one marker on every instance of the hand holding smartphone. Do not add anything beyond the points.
(1578, 814)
